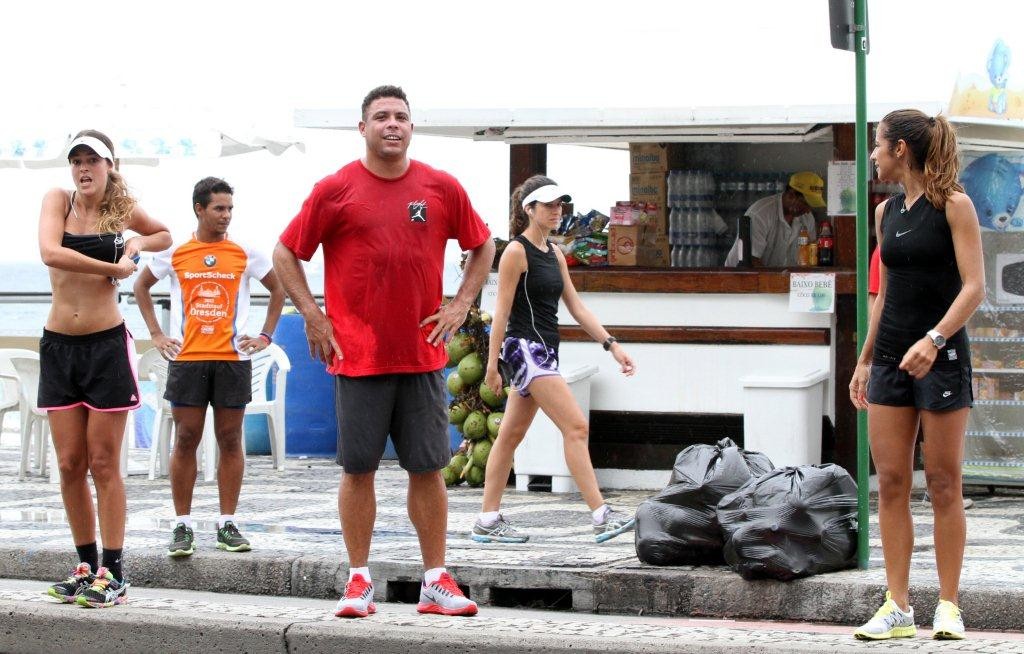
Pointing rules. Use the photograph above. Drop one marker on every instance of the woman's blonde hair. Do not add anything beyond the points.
(933, 150)
(117, 204)
(518, 219)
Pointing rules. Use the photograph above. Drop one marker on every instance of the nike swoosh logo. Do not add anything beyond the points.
(899, 234)
(947, 393)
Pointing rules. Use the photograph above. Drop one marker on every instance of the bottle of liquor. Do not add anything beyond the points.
(803, 254)
(826, 245)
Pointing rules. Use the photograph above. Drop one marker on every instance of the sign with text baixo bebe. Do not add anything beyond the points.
(489, 293)
(812, 292)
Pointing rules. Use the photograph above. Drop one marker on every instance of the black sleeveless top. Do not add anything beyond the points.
(534, 314)
(107, 247)
(922, 280)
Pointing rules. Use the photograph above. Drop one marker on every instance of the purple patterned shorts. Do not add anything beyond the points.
(524, 361)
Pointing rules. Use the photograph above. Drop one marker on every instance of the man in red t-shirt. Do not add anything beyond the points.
(384, 221)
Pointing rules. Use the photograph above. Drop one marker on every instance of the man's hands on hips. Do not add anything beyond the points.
(449, 318)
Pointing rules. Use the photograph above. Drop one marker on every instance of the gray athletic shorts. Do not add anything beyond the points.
(411, 407)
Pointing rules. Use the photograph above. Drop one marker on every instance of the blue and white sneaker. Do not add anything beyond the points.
(615, 523)
(500, 532)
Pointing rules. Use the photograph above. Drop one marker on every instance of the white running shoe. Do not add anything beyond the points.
(445, 597)
(889, 622)
(948, 624)
(357, 602)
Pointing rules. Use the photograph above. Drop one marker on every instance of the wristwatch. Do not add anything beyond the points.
(607, 345)
(938, 340)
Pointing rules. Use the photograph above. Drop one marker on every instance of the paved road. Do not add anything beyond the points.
(161, 620)
(291, 517)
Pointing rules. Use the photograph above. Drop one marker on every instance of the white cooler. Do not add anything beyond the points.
(541, 452)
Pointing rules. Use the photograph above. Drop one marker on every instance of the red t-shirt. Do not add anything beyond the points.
(874, 274)
(384, 242)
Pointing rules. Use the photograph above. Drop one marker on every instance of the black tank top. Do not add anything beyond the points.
(534, 314)
(107, 247)
(922, 280)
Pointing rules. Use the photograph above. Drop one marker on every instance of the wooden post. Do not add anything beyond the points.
(844, 228)
(526, 161)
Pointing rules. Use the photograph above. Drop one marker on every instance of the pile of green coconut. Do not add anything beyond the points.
(474, 410)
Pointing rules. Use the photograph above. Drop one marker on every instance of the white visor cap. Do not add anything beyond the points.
(548, 193)
(94, 144)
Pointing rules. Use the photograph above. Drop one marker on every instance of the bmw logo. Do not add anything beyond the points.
(210, 261)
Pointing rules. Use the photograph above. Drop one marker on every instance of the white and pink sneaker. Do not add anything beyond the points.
(445, 597)
(357, 602)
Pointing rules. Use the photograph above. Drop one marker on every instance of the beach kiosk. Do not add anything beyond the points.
(722, 351)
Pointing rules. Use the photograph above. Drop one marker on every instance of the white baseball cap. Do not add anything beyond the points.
(547, 193)
(94, 144)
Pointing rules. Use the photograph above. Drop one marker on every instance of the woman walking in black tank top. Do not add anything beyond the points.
(87, 358)
(914, 370)
(532, 277)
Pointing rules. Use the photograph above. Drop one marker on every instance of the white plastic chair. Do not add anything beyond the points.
(153, 366)
(272, 359)
(35, 428)
(9, 393)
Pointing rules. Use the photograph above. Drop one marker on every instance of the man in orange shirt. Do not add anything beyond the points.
(209, 352)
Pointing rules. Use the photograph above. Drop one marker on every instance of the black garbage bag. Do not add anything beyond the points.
(791, 522)
(678, 526)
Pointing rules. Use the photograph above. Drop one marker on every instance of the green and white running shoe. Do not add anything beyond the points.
(68, 590)
(948, 623)
(105, 591)
(183, 541)
(500, 532)
(615, 523)
(230, 540)
(890, 621)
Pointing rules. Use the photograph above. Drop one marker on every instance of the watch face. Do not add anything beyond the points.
(939, 340)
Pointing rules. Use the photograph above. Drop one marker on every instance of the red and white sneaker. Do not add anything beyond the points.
(445, 597)
(357, 602)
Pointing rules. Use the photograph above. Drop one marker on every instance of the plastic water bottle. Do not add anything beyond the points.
(674, 226)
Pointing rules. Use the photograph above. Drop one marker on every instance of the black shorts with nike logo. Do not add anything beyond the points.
(942, 389)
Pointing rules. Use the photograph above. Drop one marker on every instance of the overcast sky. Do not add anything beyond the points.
(247, 66)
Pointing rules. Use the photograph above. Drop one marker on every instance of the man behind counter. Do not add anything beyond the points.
(775, 222)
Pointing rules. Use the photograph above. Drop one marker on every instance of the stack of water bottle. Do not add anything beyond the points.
(693, 223)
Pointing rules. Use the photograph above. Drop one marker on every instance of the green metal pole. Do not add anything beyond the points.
(863, 174)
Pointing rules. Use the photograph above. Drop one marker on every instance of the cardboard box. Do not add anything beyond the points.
(653, 252)
(648, 158)
(623, 241)
(651, 188)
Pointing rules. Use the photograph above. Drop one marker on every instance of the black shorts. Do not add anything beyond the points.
(218, 383)
(942, 389)
(411, 407)
(95, 370)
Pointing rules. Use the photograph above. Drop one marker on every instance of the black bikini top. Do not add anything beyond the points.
(102, 247)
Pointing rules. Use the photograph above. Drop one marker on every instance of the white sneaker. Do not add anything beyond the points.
(889, 622)
(357, 602)
(445, 597)
(948, 624)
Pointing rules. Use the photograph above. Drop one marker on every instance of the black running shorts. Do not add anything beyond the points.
(942, 389)
(94, 370)
(411, 407)
(226, 384)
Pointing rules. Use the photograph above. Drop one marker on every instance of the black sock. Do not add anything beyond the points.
(112, 562)
(89, 554)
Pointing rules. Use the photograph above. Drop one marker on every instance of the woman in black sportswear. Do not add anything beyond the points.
(532, 278)
(87, 358)
(914, 370)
